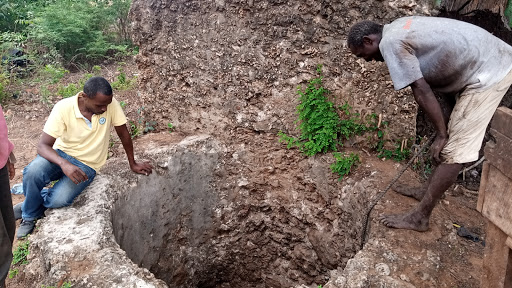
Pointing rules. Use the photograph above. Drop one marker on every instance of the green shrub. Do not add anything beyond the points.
(82, 30)
(321, 126)
(318, 121)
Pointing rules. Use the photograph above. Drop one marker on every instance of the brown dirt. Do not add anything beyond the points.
(461, 259)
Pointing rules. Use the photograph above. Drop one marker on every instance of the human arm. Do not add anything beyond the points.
(45, 150)
(427, 101)
(10, 165)
(140, 168)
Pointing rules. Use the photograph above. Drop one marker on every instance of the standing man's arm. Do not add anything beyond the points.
(141, 168)
(427, 101)
(45, 150)
(10, 165)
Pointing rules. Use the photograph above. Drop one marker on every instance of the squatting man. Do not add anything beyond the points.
(73, 146)
(456, 59)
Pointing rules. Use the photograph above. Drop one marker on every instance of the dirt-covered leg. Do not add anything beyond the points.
(416, 192)
(418, 218)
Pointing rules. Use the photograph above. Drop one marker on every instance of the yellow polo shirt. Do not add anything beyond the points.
(88, 145)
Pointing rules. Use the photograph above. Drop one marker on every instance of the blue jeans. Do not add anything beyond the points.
(39, 173)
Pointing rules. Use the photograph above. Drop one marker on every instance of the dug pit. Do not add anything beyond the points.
(172, 230)
(207, 219)
(212, 214)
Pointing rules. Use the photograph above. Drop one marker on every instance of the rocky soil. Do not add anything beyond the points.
(260, 215)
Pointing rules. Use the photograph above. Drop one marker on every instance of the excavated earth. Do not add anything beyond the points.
(230, 206)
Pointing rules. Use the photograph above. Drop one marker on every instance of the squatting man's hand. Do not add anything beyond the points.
(142, 168)
(74, 173)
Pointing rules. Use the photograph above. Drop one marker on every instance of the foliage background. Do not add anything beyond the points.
(60, 34)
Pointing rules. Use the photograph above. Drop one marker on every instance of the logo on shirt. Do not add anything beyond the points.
(103, 120)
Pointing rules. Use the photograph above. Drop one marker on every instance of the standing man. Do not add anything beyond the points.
(454, 58)
(7, 224)
(73, 146)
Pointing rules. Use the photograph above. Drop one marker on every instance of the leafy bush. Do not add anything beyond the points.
(82, 30)
(320, 123)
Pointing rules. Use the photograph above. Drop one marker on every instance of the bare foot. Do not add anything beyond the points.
(410, 220)
(414, 192)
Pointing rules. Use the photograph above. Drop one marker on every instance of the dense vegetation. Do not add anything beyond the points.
(41, 37)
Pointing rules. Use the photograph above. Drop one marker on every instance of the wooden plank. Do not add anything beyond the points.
(496, 258)
(499, 153)
(483, 183)
(497, 206)
(502, 121)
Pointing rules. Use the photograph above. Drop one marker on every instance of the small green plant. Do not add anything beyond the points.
(344, 163)
(122, 82)
(397, 155)
(72, 89)
(150, 126)
(45, 95)
(53, 73)
(123, 104)
(19, 256)
(134, 129)
(68, 90)
(96, 70)
(13, 273)
(170, 127)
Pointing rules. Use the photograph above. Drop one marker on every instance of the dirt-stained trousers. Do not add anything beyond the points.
(7, 225)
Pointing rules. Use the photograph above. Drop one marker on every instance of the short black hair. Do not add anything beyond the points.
(95, 85)
(361, 29)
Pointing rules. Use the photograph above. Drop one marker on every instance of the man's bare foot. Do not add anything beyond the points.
(410, 220)
(414, 192)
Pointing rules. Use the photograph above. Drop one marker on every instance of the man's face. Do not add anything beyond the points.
(370, 49)
(98, 104)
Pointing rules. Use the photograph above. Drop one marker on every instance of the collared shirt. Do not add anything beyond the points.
(87, 144)
(6, 146)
